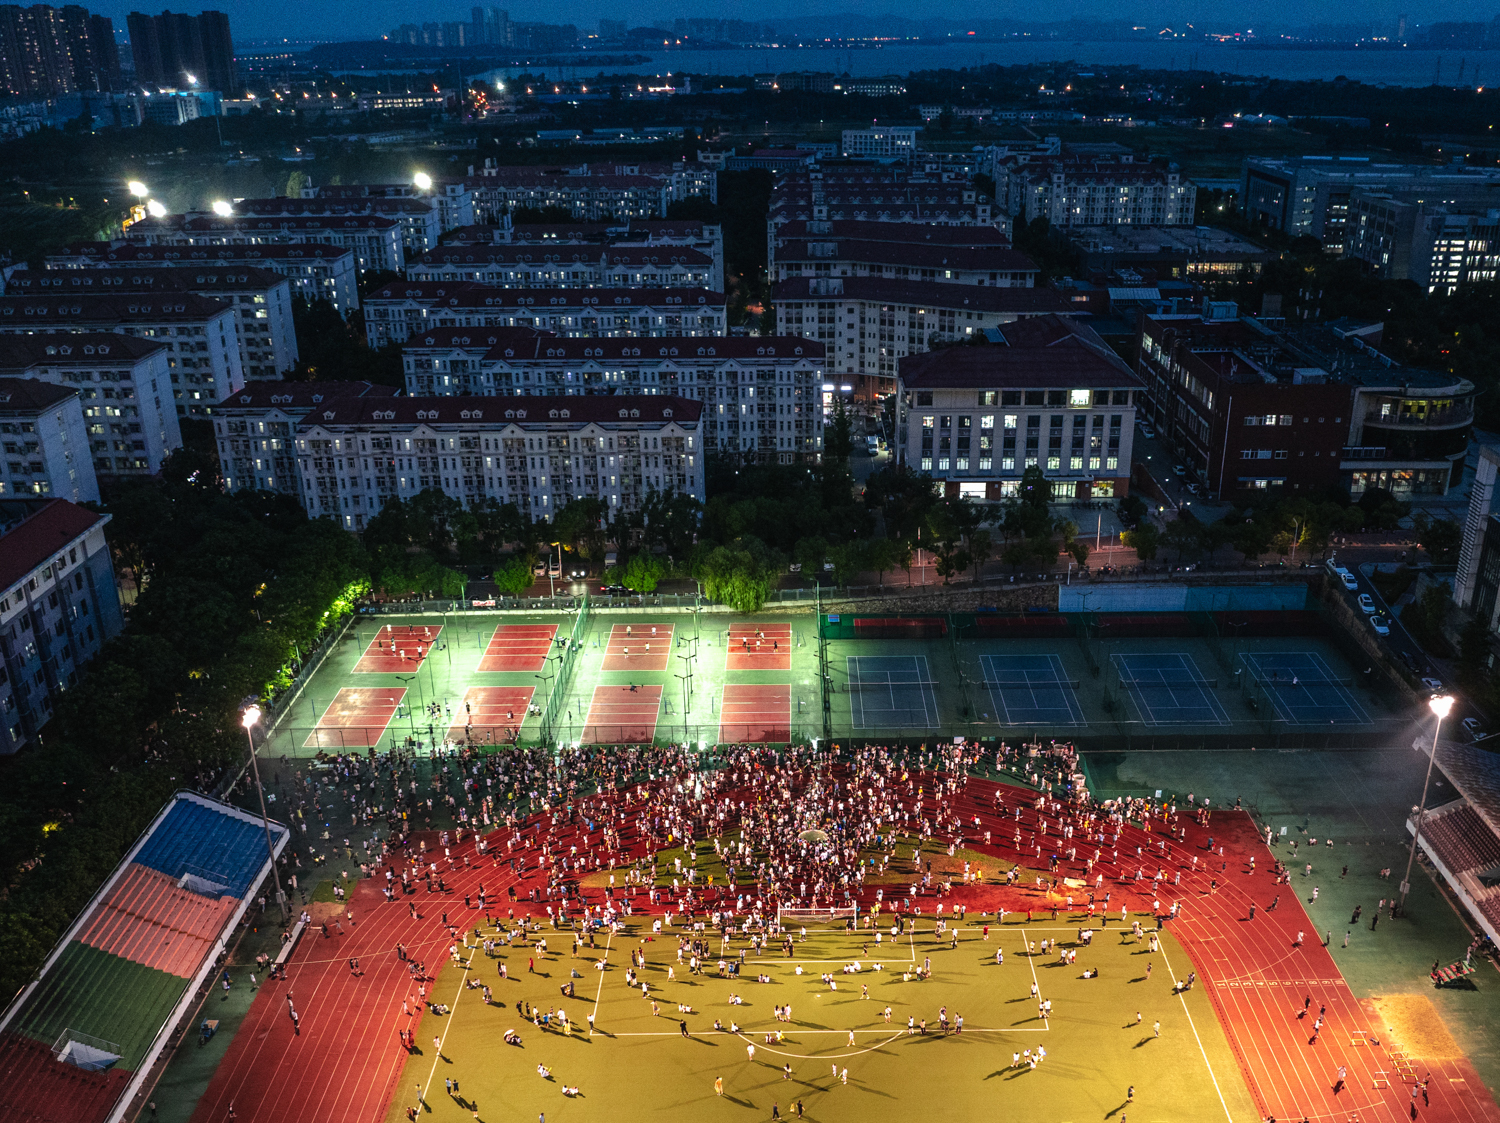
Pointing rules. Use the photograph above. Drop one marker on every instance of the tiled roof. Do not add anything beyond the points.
(468, 294)
(84, 348)
(302, 395)
(1044, 351)
(998, 257)
(915, 233)
(207, 275)
(60, 308)
(939, 294)
(36, 540)
(31, 395)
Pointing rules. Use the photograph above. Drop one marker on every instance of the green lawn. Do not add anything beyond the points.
(639, 1067)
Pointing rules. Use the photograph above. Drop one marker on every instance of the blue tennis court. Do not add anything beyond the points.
(1168, 689)
(1304, 689)
(1031, 690)
(887, 690)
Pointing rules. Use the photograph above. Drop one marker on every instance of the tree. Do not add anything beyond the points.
(811, 553)
(848, 559)
(1132, 509)
(1441, 538)
(881, 555)
(580, 525)
(739, 575)
(1144, 540)
(670, 519)
(515, 576)
(642, 573)
(1035, 490)
(295, 183)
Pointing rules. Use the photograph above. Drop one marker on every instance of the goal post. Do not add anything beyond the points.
(824, 918)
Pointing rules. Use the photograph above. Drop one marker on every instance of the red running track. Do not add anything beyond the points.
(344, 1066)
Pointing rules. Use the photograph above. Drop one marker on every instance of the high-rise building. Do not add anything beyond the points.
(46, 51)
(174, 49)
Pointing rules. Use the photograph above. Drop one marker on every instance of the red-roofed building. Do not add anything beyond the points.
(58, 606)
(1050, 394)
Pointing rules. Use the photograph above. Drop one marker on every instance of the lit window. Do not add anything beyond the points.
(1079, 399)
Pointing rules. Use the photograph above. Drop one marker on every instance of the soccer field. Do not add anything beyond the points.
(1100, 1038)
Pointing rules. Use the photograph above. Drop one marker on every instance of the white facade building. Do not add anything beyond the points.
(44, 447)
(881, 143)
(124, 389)
(374, 240)
(203, 355)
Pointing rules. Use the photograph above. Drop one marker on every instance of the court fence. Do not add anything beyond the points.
(567, 661)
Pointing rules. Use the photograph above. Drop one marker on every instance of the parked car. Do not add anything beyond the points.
(1366, 603)
(1473, 728)
(1433, 684)
(1179, 469)
(1146, 430)
(614, 591)
(1381, 625)
(1346, 577)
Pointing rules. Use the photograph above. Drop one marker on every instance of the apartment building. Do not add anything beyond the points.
(883, 194)
(375, 241)
(47, 51)
(123, 385)
(762, 396)
(544, 267)
(908, 252)
(869, 324)
(418, 219)
(1436, 244)
(261, 299)
(58, 607)
(452, 200)
(315, 272)
(354, 453)
(1248, 408)
(198, 334)
(255, 430)
(642, 234)
(1050, 394)
(590, 192)
(405, 308)
(1089, 190)
(1312, 194)
(898, 142)
(44, 443)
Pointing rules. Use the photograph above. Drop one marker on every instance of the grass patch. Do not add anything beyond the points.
(323, 893)
(1392, 585)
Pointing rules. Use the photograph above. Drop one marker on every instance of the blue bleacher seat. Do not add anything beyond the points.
(198, 839)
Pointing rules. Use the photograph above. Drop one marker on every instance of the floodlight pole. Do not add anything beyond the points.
(1441, 707)
(248, 719)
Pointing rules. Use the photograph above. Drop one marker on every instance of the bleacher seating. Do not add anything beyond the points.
(1462, 840)
(131, 960)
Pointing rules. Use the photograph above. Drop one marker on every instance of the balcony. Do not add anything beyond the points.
(1460, 414)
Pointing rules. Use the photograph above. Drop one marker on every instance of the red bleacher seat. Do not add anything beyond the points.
(38, 1089)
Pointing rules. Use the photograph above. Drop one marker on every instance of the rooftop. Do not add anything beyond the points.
(1189, 240)
(601, 409)
(31, 395)
(978, 298)
(1042, 351)
(470, 294)
(32, 532)
(192, 278)
(84, 348)
(303, 395)
(16, 312)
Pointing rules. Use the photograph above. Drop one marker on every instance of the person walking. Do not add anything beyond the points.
(719, 1086)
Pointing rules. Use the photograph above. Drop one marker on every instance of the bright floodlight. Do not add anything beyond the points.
(222, 208)
(250, 716)
(155, 209)
(138, 189)
(1441, 705)
(423, 181)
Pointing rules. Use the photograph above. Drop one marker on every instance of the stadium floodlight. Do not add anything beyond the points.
(138, 189)
(1441, 705)
(249, 716)
(155, 209)
(423, 181)
(222, 209)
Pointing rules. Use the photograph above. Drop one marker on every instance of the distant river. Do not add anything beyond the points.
(1397, 67)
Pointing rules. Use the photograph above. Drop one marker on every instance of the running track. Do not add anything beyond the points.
(344, 1066)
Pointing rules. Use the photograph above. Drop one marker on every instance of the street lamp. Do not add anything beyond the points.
(155, 209)
(1441, 706)
(138, 189)
(248, 720)
(222, 209)
(423, 181)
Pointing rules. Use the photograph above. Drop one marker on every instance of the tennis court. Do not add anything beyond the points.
(891, 690)
(638, 647)
(622, 715)
(356, 718)
(518, 647)
(398, 647)
(755, 714)
(1031, 690)
(758, 647)
(492, 713)
(1168, 689)
(1304, 689)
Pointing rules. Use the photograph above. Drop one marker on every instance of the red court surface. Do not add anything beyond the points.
(357, 717)
(756, 714)
(397, 648)
(493, 713)
(759, 647)
(638, 647)
(518, 647)
(621, 715)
